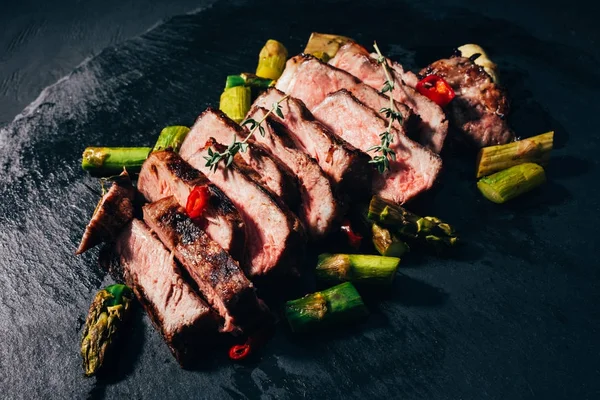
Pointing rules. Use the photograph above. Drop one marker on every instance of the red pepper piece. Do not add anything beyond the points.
(239, 351)
(353, 238)
(254, 342)
(197, 201)
(436, 89)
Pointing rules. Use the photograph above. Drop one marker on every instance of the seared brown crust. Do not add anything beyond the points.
(219, 278)
(480, 107)
(112, 213)
(178, 179)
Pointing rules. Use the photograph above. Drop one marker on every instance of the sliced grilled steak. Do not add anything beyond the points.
(415, 168)
(311, 80)
(480, 106)
(356, 60)
(112, 213)
(270, 173)
(345, 165)
(219, 278)
(178, 313)
(320, 208)
(166, 174)
(274, 236)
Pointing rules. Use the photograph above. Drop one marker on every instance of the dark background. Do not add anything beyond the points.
(513, 315)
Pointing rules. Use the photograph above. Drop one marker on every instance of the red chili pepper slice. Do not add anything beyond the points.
(239, 351)
(353, 238)
(197, 201)
(436, 89)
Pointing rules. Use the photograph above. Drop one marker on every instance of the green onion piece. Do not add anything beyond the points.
(110, 161)
(356, 268)
(387, 243)
(271, 60)
(234, 80)
(235, 102)
(324, 46)
(512, 182)
(171, 137)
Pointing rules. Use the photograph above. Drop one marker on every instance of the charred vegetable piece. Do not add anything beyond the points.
(512, 182)
(110, 161)
(356, 268)
(431, 231)
(324, 46)
(171, 137)
(535, 149)
(106, 316)
(474, 50)
(387, 243)
(247, 79)
(271, 60)
(235, 102)
(336, 305)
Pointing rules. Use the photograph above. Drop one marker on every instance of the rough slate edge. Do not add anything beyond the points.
(494, 319)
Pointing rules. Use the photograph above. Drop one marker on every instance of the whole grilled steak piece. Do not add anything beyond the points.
(219, 277)
(112, 213)
(480, 106)
(166, 174)
(345, 165)
(270, 172)
(356, 60)
(310, 80)
(415, 168)
(320, 208)
(275, 239)
(184, 320)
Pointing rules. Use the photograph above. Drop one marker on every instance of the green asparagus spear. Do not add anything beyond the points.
(110, 161)
(535, 149)
(387, 243)
(171, 137)
(512, 182)
(271, 60)
(248, 79)
(408, 226)
(338, 304)
(108, 312)
(357, 268)
(235, 102)
(324, 46)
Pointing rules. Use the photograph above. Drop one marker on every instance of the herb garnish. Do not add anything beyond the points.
(214, 158)
(392, 114)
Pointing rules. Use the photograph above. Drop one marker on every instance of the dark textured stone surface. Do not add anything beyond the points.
(513, 315)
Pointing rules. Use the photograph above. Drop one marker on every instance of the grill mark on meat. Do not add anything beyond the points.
(320, 208)
(275, 236)
(272, 174)
(165, 173)
(480, 106)
(356, 60)
(218, 276)
(112, 213)
(345, 165)
(175, 310)
(415, 168)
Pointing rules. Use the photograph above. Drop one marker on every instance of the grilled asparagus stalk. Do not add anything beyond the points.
(535, 149)
(336, 305)
(512, 182)
(408, 226)
(235, 102)
(171, 137)
(357, 268)
(110, 161)
(107, 314)
(247, 79)
(271, 60)
(387, 243)
(324, 46)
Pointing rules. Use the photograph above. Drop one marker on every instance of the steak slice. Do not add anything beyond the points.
(415, 168)
(480, 106)
(320, 208)
(356, 60)
(345, 165)
(274, 236)
(112, 213)
(166, 174)
(219, 278)
(270, 172)
(311, 80)
(184, 320)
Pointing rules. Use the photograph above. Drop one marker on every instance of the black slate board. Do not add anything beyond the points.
(513, 315)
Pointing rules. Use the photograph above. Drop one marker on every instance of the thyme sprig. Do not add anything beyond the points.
(382, 161)
(214, 157)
